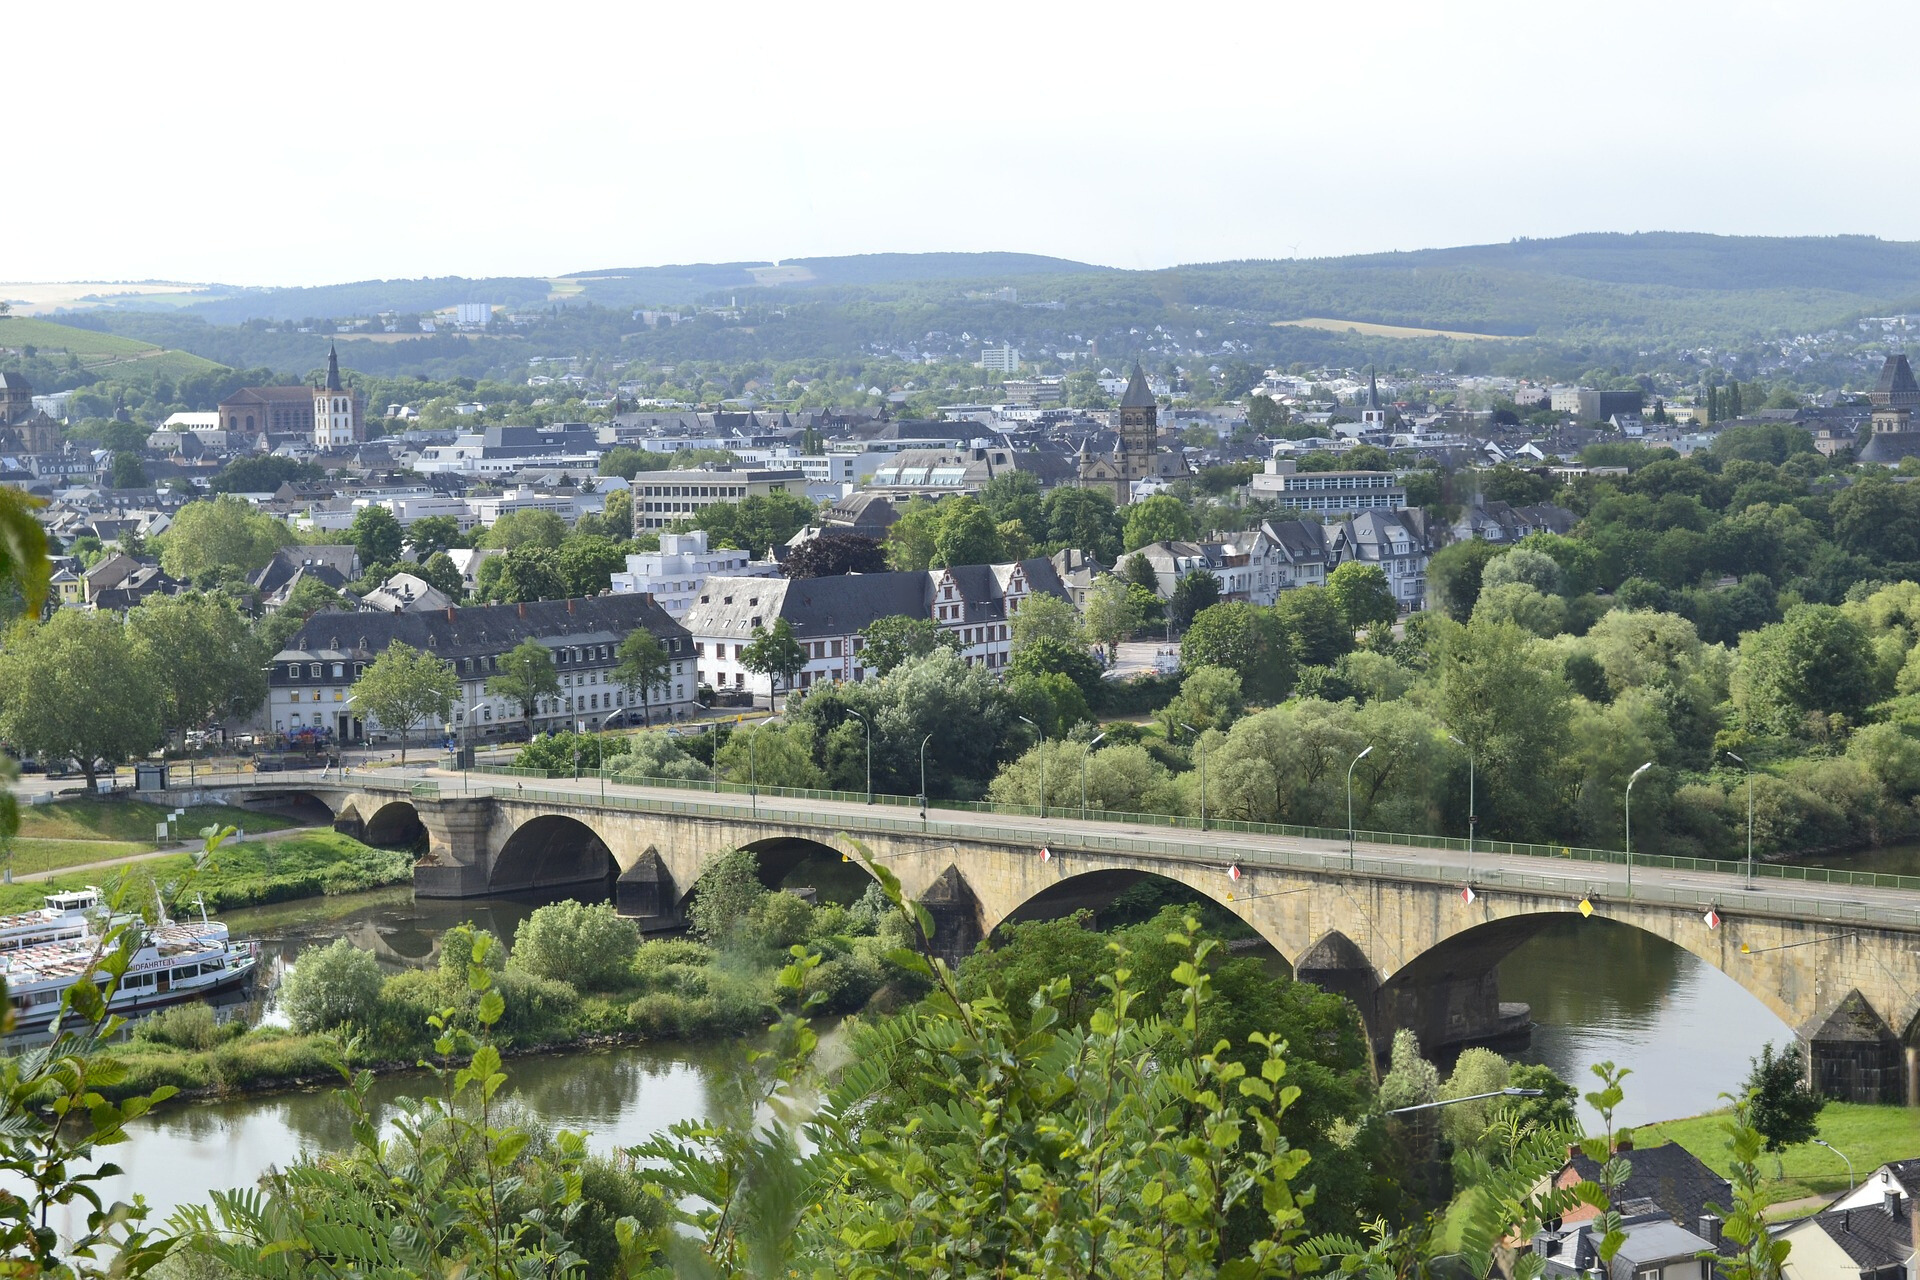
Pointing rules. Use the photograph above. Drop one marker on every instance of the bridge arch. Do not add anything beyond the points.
(1104, 892)
(395, 825)
(552, 851)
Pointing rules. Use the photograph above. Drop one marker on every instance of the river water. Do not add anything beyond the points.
(1599, 991)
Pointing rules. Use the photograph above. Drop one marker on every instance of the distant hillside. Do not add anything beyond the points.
(366, 297)
(633, 286)
(54, 356)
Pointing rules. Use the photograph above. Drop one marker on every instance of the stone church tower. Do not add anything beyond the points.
(337, 412)
(1136, 451)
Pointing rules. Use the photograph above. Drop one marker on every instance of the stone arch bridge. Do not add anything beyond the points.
(1391, 928)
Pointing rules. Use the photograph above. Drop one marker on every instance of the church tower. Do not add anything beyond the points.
(336, 411)
(1139, 426)
(1373, 413)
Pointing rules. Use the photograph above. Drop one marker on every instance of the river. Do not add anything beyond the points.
(1599, 991)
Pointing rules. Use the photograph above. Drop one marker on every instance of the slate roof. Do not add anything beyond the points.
(1888, 447)
(487, 629)
(1670, 1176)
(1870, 1236)
(1896, 385)
(1138, 395)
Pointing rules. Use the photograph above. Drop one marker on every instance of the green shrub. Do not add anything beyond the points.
(539, 1010)
(330, 986)
(269, 1059)
(192, 1027)
(590, 948)
(397, 1029)
(654, 960)
(781, 920)
(728, 889)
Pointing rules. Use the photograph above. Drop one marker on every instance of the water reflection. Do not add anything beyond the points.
(1606, 992)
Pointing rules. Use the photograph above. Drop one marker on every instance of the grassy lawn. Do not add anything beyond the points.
(104, 818)
(31, 855)
(1870, 1136)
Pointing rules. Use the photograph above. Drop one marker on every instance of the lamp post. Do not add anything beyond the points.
(1201, 743)
(1630, 781)
(579, 732)
(753, 769)
(1043, 765)
(1475, 1097)
(1350, 768)
(1749, 772)
(868, 726)
(1083, 772)
(1822, 1142)
(1472, 818)
(602, 771)
(923, 776)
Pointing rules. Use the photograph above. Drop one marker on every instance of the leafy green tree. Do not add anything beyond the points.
(1083, 520)
(439, 572)
(434, 534)
(518, 529)
(1512, 710)
(1814, 662)
(568, 751)
(1195, 593)
(404, 686)
(889, 642)
(756, 524)
(1015, 495)
(1045, 617)
(1525, 565)
(1453, 576)
(224, 676)
(773, 755)
(776, 654)
(645, 665)
(910, 538)
(262, 473)
(1364, 598)
(1209, 698)
(1161, 518)
(1047, 655)
(1320, 629)
(526, 675)
(834, 553)
(524, 574)
(127, 471)
(1520, 604)
(1253, 643)
(226, 533)
(587, 564)
(331, 986)
(966, 534)
(1113, 613)
(590, 947)
(1784, 1109)
(727, 892)
(964, 708)
(658, 755)
(1051, 699)
(76, 686)
(376, 534)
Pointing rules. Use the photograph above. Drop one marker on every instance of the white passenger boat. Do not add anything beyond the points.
(176, 962)
(65, 917)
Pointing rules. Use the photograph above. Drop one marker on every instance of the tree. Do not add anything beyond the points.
(526, 573)
(834, 553)
(774, 653)
(1453, 576)
(75, 687)
(1161, 518)
(1209, 698)
(127, 471)
(1015, 495)
(966, 534)
(1083, 520)
(1265, 414)
(1253, 643)
(888, 642)
(376, 534)
(224, 534)
(1321, 632)
(756, 524)
(443, 575)
(645, 665)
(1139, 571)
(518, 529)
(526, 675)
(331, 986)
(433, 535)
(1193, 594)
(1512, 710)
(1785, 1110)
(727, 891)
(910, 538)
(1815, 661)
(1525, 565)
(1044, 617)
(1113, 612)
(588, 946)
(1364, 598)
(224, 676)
(774, 755)
(404, 686)
(587, 564)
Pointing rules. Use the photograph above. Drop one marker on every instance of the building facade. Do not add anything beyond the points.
(675, 573)
(1136, 453)
(338, 414)
(664, 498)
(310, 683)
(1328, 494)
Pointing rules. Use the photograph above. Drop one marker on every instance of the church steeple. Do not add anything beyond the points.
(333, 369)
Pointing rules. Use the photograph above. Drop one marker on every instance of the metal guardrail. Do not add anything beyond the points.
(1435, 872)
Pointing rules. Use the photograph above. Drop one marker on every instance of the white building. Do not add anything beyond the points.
(473, 313)
(674, 574)
(336, 410)
(1004, 358)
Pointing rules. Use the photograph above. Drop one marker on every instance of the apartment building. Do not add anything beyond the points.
(1328, 493)
(664, 498)
(675, 574)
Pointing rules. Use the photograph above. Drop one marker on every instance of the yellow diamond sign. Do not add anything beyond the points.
(1586, 907)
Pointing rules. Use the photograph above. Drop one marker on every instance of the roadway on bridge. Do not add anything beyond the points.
(1600, 882)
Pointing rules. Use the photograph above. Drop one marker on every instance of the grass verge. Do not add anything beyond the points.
(114, 818)
(1869, 1135)
(31, 856)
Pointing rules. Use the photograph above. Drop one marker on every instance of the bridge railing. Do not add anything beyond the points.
(1063, 848)
(1403, 839)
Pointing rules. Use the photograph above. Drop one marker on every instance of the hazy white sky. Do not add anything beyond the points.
(304, 144)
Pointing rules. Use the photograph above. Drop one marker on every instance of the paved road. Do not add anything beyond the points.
(1576, 880)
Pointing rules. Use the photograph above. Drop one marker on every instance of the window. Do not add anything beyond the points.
(293, 671)
(339, 670)
(313, 669)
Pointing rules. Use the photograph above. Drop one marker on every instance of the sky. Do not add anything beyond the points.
(311, 144)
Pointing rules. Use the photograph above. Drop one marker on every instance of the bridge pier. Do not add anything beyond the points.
(458, 862)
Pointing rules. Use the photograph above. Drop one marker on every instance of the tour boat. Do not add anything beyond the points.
(176, 962)
(65, 918)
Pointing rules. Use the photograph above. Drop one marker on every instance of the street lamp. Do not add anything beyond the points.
(1472, 818)
(923, 776)
(1630, 781)
(1475, 1097)
(1083, 772)
(1043, 765)
(1749, 771)
(753, 770)
(603, 759)
(579, 732)
(868, 726)
(1822, 1142)
(1350, 768)
(1201, 743)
